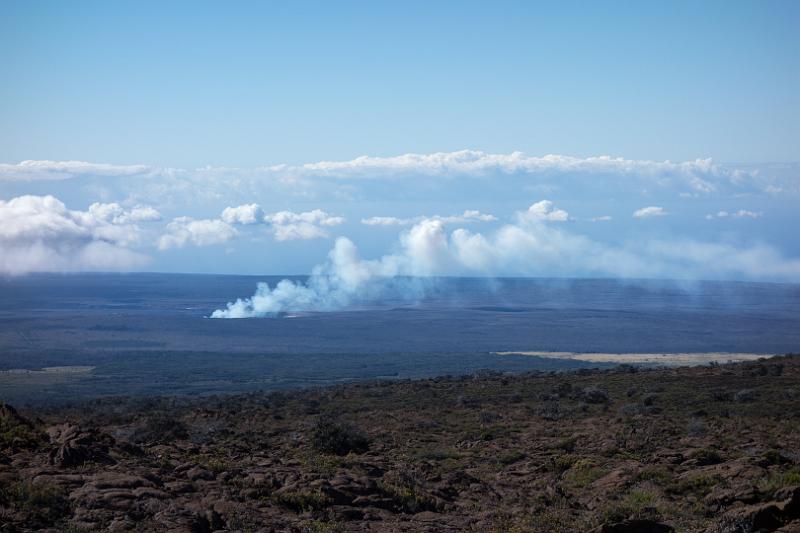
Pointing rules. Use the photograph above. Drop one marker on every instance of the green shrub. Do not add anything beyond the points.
(338, 438)
(561, 463)
(43, 503)
(658, 475)
(409, 498)
(778, 480)
(302, 501)
(638, 504)
(583, 473)
(705, 457)
(699, 485)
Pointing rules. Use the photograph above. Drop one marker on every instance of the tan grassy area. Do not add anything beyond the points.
(668, 359)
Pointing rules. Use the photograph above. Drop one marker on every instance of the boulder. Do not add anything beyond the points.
(75, 446)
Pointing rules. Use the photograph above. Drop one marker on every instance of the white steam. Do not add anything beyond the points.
(346, 278)
(535, 245)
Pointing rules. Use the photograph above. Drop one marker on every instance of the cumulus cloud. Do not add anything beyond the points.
(39, 233)
(544, 210)
(648, 212)
(288, 225)
(186, 230)
(243, 214)
(470, 215)
(116, 214)
(284, 225)
(529, 247)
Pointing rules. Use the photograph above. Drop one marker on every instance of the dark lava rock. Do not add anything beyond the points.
(9, 417)
(635, 526)
(771, 515)
(76, 446)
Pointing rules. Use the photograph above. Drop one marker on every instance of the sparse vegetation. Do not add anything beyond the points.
(550, 462)
(780, 479)
(160, 427)
(337, 437)
(302, 500)
(44, 504)
(637, 504)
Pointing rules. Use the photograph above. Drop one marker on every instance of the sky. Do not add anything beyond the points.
(623, 139)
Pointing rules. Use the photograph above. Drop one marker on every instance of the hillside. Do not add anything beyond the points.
(713, 448)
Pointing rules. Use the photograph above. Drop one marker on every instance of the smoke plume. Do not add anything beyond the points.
(536, 244)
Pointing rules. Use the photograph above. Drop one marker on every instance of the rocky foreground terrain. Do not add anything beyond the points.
(714, 448)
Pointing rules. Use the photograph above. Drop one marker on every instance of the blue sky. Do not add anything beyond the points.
(188, 108)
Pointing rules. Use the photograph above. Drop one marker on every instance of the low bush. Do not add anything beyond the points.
(160, 427)
(778, 480)
(338, 438)
(45, 504)
(705, 457)
(594, 395)
(302, 501)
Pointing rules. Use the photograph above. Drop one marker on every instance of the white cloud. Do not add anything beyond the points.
(387, 221)
(243, 214)
(284, 225)
(544, 210)
(60, 170)
(470, 215)
(651, 211)
(288, 225)
(469, 162)
(39, 233)
(602, 218)
(143, 213)
(741, 213)
(699, 176)
(478, 162)
(116, 214)
(186, 230)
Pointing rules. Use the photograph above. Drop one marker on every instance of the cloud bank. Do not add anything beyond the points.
(694, 177)
(62, 170)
